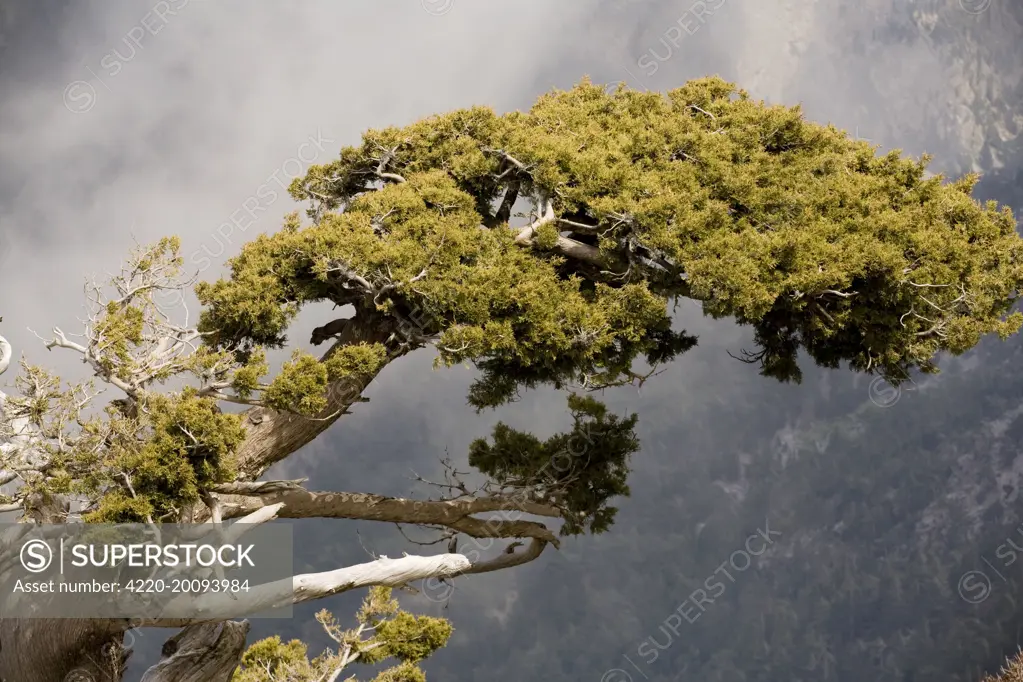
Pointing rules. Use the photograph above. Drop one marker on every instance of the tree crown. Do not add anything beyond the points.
(637, 199)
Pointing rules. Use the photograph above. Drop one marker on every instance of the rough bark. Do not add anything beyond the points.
(455, 514)
(509, 559)
(48, 650)
(59, 650)
(210, 646)
(273, 435)
(201, 653)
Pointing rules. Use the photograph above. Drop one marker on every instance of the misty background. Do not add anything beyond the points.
(120, 123)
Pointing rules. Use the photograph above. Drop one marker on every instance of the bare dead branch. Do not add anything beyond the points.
(189, 610)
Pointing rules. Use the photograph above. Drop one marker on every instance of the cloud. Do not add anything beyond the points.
(123, 119)
(166, 117)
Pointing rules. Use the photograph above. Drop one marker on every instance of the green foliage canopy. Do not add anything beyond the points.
(384, 632)
(781, 223)
(638, 199)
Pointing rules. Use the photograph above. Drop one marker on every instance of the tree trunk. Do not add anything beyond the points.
(48, 650)
(55, 650)
(201, 653)
(272, 435)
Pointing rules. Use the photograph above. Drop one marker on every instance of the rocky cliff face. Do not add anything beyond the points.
(942, 499)
(979, 44)
(942, 76)
(937, 75)
(900, 511)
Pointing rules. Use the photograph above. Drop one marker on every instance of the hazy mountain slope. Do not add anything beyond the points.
(883, 510)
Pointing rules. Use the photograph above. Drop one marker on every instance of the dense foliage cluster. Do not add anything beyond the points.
(881, 511)
(633, 200)
(578, 471)
(129, 465)
(782, 223)
(384, 632)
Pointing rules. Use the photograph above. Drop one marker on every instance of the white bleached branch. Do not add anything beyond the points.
(385, 572)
